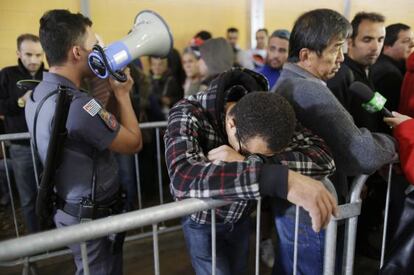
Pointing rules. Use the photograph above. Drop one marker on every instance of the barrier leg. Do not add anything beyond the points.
(258, 228)
(10, 190)
(156, 250)
(387, 204)
(137, 175)
(157, 132)
(213, 242)
(330, 248)
(85, 262)
(36, 173)
(295, 247)
(350, 239)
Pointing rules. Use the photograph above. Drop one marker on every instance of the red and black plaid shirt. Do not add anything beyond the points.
(192, 133)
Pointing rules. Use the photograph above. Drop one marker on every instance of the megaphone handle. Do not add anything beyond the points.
(118, 75)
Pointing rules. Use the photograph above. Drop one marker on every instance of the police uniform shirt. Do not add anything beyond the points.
(91, 129)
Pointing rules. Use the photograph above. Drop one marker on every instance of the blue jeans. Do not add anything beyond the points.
(232, 246)
(126, 172)
(24, 176)
(310, 247)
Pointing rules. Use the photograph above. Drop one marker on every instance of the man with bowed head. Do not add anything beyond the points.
(201, 134)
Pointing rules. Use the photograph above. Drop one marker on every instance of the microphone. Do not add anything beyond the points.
(373, 102)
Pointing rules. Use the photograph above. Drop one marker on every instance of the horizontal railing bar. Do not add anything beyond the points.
(155, 124)
(26, 135)
(348, 210)
(48, 255)
(14, 136)
(56, 238)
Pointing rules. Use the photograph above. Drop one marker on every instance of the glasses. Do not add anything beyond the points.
(246, 153)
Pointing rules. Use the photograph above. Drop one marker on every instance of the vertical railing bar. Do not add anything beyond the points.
(6, 167)
(352, 226)
(84, 255)
(387, 204)
(258, 228)
(157, 131)
(295, 248)
(156, 249)
(330, 248)
(213, 242)
(137, 175)
(36, 173)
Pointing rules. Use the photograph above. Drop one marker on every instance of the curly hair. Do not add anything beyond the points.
(265, 115)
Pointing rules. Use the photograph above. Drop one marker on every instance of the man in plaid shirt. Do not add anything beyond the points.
(202, 165)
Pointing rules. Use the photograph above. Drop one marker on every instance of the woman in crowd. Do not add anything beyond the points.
(190, 63)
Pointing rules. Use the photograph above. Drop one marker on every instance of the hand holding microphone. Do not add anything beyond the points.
(396, 119)
(373, 102)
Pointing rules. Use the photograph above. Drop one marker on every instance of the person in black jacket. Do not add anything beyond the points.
(12, 103)
(364, 48)
(388, 72)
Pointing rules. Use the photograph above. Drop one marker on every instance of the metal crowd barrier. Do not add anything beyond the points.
(157, 126)
(350, 212)
(57, 238)
(26, 246)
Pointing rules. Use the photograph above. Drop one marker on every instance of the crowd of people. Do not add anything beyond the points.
(227, 137)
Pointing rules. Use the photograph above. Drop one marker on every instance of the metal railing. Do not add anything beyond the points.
(157, 126)
(45, 241)
(350, 212)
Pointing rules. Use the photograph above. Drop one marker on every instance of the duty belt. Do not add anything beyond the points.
(93, 211)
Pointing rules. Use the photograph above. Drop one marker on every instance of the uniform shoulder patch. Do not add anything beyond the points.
(92, 107)
(109, 119)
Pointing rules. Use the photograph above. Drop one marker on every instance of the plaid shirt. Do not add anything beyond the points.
(193, 131)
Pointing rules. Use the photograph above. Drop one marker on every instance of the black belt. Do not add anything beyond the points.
(96, 211)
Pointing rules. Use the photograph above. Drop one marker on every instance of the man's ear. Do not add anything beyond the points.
(76, 52)
(305, 56)
(231, 124)
(19, 54)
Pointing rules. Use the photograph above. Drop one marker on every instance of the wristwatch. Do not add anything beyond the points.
(21, 102)
(255, 157)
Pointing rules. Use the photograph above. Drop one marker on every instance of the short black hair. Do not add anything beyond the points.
(281, 33)
(361, 16)
(203, 35)
(392, 31)
(26, 36)
(59, 31)
(263, 30)
(266, 115)
(315, 29)
(232, 29)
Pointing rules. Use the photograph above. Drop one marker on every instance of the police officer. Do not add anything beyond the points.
(93, 133)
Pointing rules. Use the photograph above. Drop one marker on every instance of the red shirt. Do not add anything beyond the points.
(404, 133)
